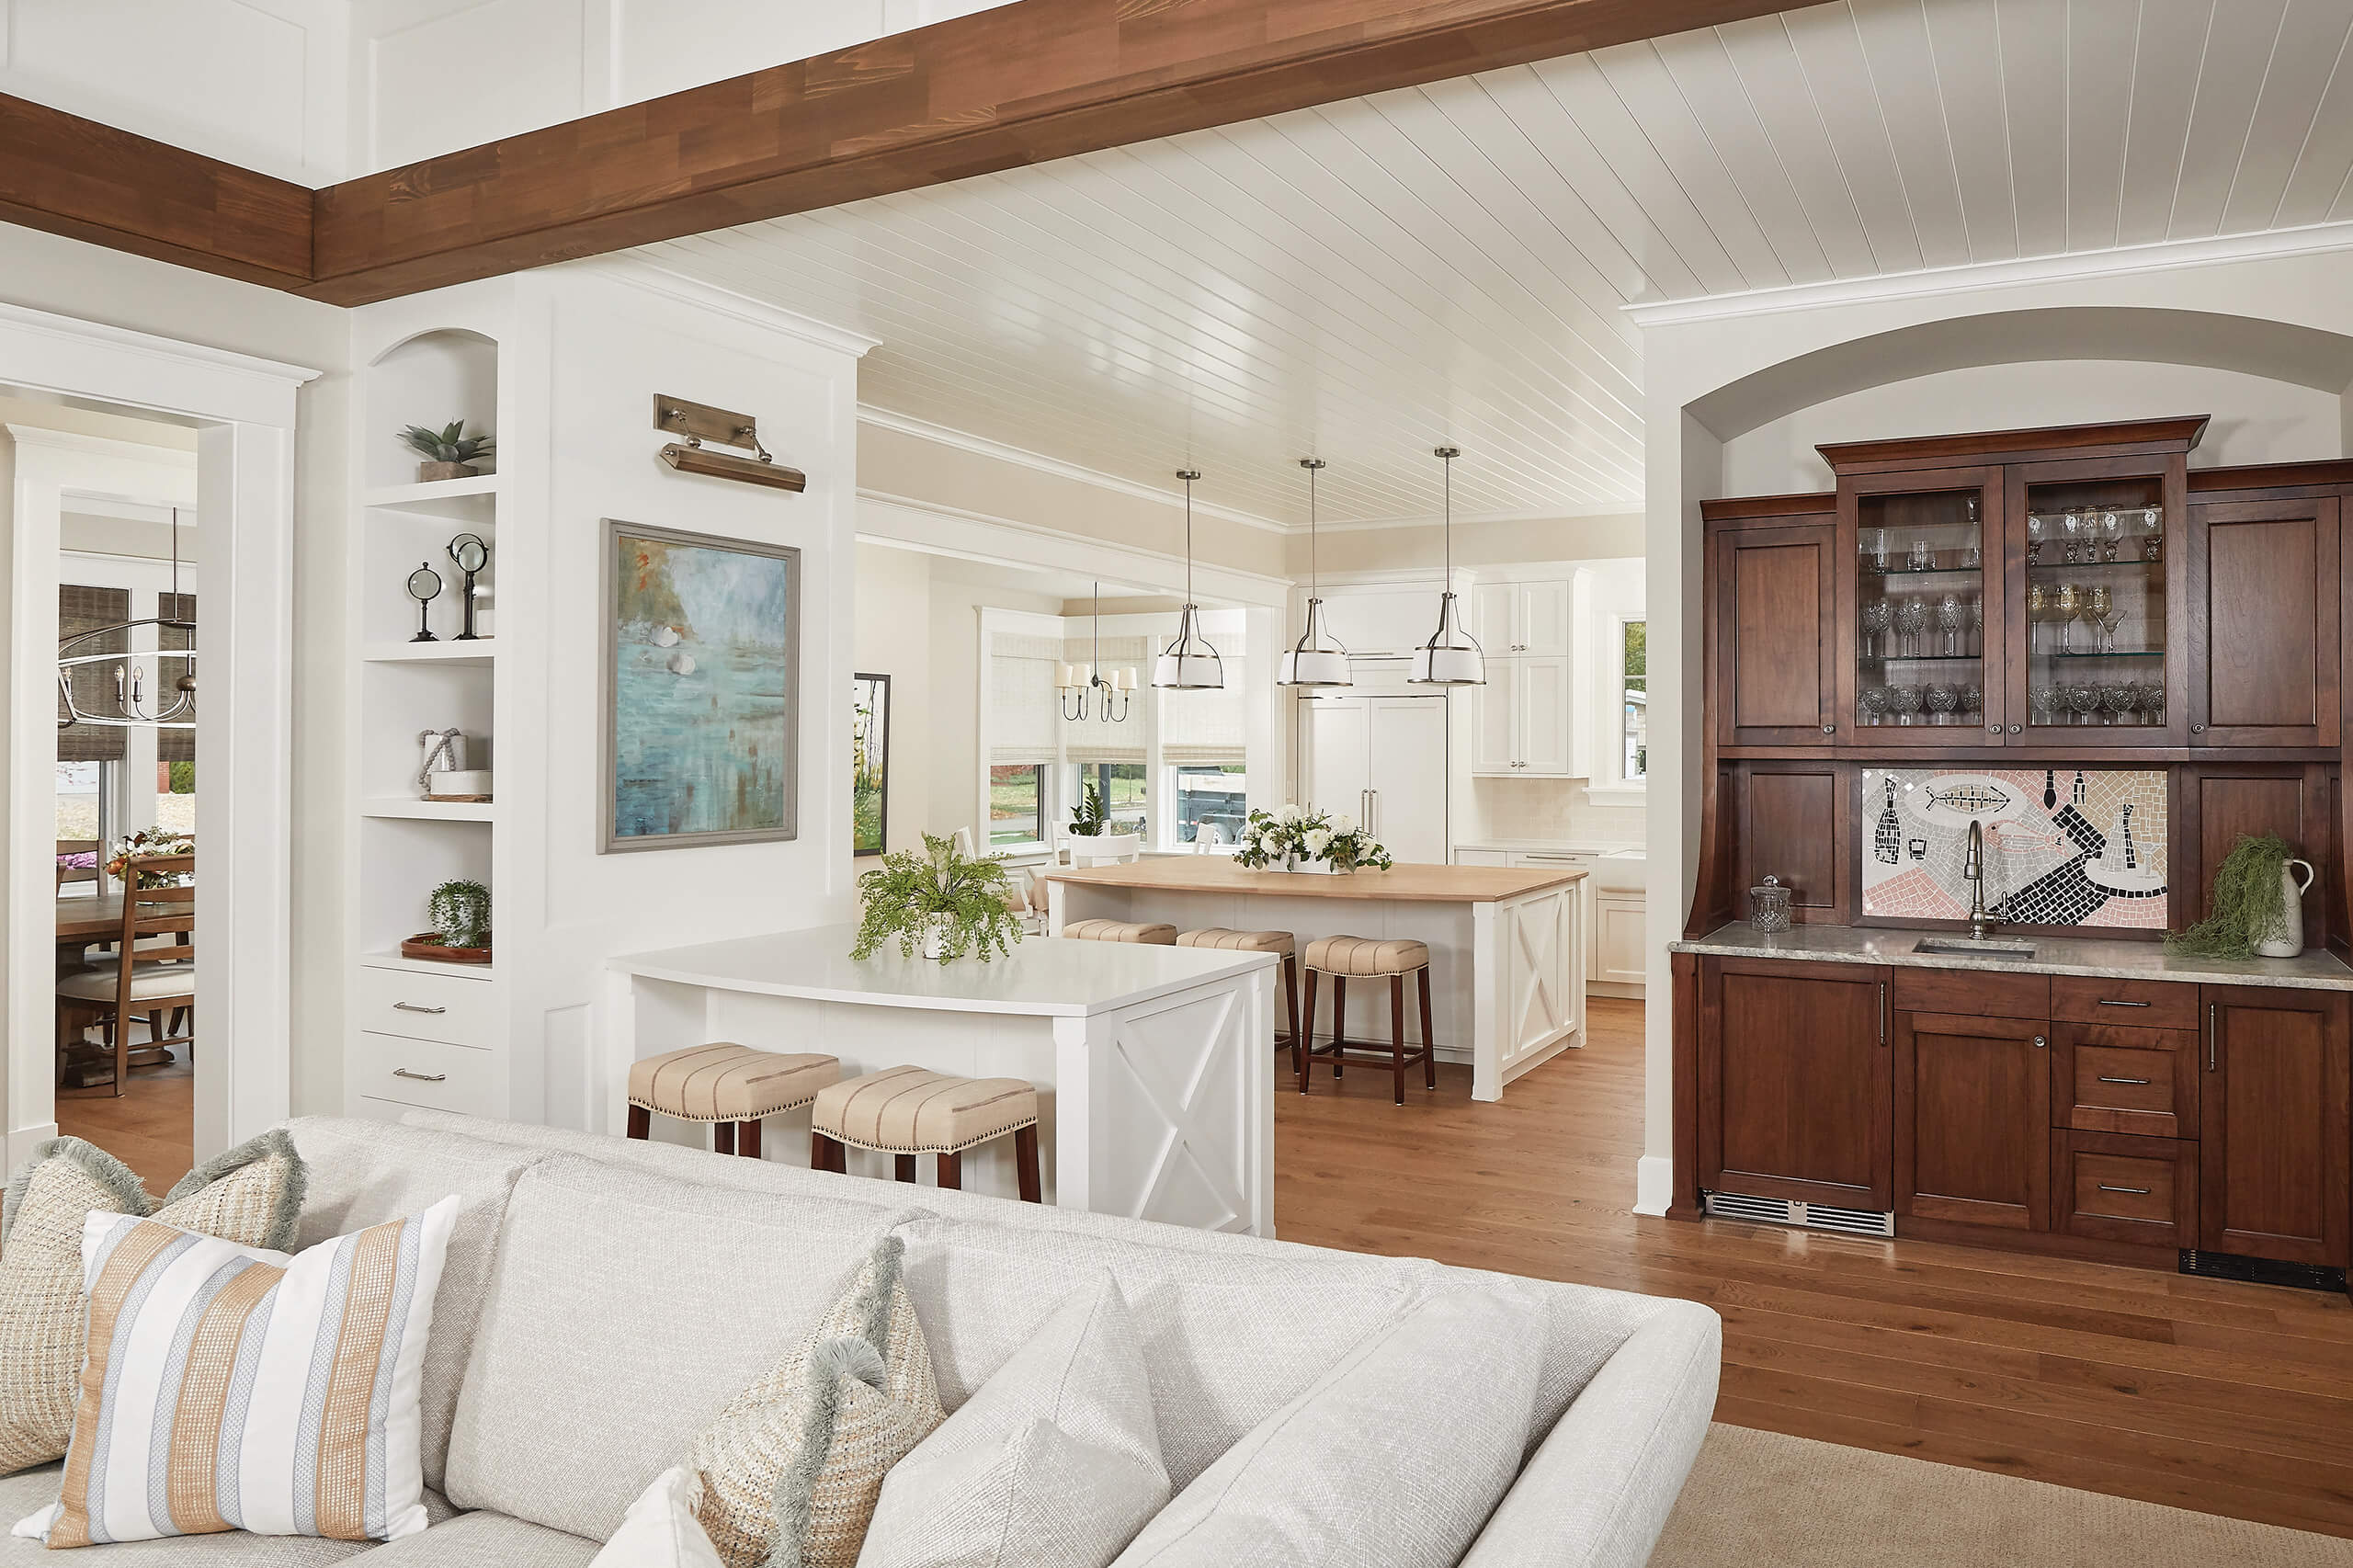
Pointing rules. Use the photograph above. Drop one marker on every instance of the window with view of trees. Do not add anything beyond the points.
(1017, 803)
(1634, 732)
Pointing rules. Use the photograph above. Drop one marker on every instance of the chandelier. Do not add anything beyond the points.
(1118, 684)
(133, 703)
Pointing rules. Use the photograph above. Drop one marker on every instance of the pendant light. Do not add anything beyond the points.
(1189, 664)
(173, 710)
(1317, 659)
(1451, 656)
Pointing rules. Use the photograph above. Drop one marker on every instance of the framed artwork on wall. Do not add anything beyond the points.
(701, 678)
(869, 754)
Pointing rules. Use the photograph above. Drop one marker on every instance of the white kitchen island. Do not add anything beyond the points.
(1152, 1063)
(1507, 950)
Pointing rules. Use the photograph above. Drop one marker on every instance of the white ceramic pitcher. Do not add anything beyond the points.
(2287, 938)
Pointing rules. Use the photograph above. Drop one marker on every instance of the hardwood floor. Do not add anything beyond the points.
(2206, 1394)
(152, 1128)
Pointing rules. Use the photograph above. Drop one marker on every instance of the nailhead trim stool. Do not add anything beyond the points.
(1160, 935)
(1365, 958)
(906, 1111)
(1282, 942)
(727, 1085)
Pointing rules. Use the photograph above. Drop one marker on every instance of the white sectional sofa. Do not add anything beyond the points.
(603, 1297)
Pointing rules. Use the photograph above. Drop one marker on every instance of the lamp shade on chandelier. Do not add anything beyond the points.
(1317, 659)
(1189, 664)
(1450, 656)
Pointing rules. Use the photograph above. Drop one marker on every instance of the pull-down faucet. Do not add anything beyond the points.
(1972, 866)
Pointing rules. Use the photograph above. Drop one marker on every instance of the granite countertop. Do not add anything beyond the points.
(2314, 970)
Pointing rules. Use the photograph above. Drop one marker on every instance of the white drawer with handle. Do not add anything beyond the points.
(426, 1072)
(462, 1011)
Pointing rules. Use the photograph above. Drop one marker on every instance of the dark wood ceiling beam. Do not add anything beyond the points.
(88, 181)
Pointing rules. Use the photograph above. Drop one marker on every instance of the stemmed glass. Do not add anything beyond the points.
(2038, 529)
(2083, 701)
(2119, 701)
(1911, 620)
(2071, 528)
(1877, 616)
(2097, 605)
(2111, 531)
(1942, 702)
(1949, 618)
(1873, 701)
(2151, 701)
(2070, 605)
(2043, 701)
(2038, 604)
(2150, 546)
(1977, 622)
(1972, 699)
(1905, 700)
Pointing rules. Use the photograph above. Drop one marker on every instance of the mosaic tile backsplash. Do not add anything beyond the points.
(2063, 847)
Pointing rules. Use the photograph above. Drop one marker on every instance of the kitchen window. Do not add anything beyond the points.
(1634, 721)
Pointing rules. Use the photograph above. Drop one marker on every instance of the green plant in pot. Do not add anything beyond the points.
(448, 453)
(2257, 909)
(944, 903)
(459, 910)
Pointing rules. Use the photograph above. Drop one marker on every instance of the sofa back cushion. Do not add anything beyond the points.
(623, 1312)
(1229, 1335)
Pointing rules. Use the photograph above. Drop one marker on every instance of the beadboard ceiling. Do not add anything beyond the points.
(1367, 279)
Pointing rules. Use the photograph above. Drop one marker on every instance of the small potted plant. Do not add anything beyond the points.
(942, 902)
(1089, 821)
(459, 910)
(448, 454)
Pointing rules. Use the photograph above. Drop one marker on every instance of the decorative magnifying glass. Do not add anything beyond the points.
(423, 586)
(471, 555)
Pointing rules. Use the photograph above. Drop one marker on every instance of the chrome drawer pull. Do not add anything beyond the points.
(2136, 1082)
(421, 1077)
(412, 1007)
(2111, 1002)
(2134, 1191)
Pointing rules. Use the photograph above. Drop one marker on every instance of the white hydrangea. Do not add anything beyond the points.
(1290, 813)
(1344, 825)
(1271, 842)
(1318, 841)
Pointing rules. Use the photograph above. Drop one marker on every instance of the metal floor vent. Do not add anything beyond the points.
(1813, 1216)
(2262, 1270)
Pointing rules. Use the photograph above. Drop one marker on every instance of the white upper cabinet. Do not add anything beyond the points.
(1522, 620)
(1521, 729)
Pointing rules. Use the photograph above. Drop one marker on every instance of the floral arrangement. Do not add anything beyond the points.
(1292, 833)
(150, 841)
(944, 903)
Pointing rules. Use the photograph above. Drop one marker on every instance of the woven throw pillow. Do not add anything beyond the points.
(1395, 1456)
(792, 1466)
(660, 1530)
(252, 1195)
(1053, 1464)
(235, 1388)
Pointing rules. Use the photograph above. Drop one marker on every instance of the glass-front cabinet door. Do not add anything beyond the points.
(2097, 660)
(1925, 554)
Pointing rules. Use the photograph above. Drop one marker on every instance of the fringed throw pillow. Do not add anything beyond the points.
(792, 1465)
(251, 1196)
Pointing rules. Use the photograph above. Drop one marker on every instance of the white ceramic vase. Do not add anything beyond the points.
(2287, 936)
(935, 936)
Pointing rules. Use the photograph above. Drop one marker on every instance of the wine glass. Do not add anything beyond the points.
(1873, 702)
(2109, 619)
(2043, 701)
(2083, 701)
(1949, 615)
(2118, 701)
(2150, 546)
(2098, 603)
(2038, 529)
(1877, 616)
(2112, 533)
(2151, 701)
(1905, 700)
(1972, 699)
(2070, 605)
(2071, 528)
(2037, 606)
(1911, 620)
(1942, 701)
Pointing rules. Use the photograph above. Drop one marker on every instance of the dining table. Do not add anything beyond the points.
(86, 919)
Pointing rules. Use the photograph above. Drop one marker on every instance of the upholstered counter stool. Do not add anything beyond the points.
(1280, 943)
(729, 1086)
(1366, 958)
(906, 1111)
(1160, 935)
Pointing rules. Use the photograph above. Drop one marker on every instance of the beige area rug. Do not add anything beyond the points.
(1762, 1500)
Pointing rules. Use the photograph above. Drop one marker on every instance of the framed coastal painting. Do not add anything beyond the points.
(701, 671)
(869, 762)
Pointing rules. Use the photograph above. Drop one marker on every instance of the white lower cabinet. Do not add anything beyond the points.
(1613, 920)
(430, 1073)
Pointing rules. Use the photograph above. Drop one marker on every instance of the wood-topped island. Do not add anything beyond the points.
(1507, 958)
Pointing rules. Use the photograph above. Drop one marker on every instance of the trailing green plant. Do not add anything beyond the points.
(2245, 907)
(967, 900)
(1088, 819)
(449, 446)
(459, 910)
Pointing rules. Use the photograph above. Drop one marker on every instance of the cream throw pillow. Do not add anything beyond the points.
(792, 1466)
(660, 1530)
(1396, 1455)
(251, 1196)
(1055, 1462)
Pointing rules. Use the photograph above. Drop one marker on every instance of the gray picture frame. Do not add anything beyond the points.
(609, 841)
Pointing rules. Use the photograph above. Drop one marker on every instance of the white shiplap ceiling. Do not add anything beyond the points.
(1364, 279)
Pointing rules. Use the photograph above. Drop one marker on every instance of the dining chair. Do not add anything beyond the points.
(152, 969)
(77, 861)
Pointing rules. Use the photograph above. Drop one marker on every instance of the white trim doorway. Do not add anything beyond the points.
(244, 411)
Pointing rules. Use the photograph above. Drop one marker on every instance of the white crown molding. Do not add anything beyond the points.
(980, 446)
(679, 286)
(2155, 256)
(42, 435)
(57, 353)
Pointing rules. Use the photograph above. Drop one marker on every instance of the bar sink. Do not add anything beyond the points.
(1968, 948)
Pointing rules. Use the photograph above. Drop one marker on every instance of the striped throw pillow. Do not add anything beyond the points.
(231, 1387)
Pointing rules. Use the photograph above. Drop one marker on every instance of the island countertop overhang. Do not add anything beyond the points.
(1408, 884)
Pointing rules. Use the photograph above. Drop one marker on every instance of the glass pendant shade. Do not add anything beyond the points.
(1189, 664)
(1317, 659)
(1451, 656)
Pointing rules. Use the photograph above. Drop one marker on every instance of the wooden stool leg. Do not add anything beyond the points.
(747, 1140)
(155, 1026)
(1397, 1034)
(824, 1155)
(1303, 1066)
(951, 1170)
(1291, 1006)
(1429, 1043)
(641, 1122)
(902, 1168)
(1025, 1160)
(1339, 1023)
(722, 1137)
(121, 1035)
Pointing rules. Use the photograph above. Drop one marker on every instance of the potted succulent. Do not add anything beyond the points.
(448, 454)
(459, 910)
(942, 902)
(1091, 822)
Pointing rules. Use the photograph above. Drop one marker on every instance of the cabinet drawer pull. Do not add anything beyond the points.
(421, 1077)
(412, 1007)
(2134, 1191)
(2040, 1042)
(2114, 1002)
(2211, 1007)
(2136, 1082)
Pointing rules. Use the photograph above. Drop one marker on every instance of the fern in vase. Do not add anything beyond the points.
(942, 902)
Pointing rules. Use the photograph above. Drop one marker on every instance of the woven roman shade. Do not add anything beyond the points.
(1094, 739)
(1021, 697)
(173, 746)
(1202, 727)
(81, 609)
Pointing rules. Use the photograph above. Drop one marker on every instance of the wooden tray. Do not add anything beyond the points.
(426, 945)
(467, 800)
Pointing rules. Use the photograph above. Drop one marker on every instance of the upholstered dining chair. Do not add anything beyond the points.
(151, 971)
